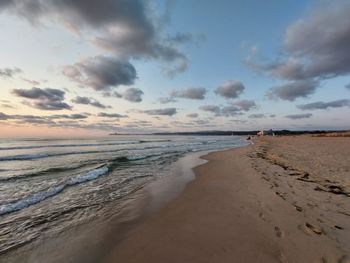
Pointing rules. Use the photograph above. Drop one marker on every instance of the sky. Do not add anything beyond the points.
(90, 68)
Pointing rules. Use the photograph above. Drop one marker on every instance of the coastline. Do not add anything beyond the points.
(236, 211)
(273, 200)
(91, 241)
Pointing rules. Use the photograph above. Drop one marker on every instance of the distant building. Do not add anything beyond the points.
(268, 132)
(260, 133)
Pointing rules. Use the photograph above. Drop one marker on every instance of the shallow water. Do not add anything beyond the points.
(50, 185)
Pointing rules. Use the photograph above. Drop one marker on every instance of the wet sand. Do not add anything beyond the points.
(90, 242)
(280, 200)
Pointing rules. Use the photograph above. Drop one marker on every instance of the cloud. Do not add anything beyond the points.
(165, 111)
(9, 72)
(245, 105)
(7, 104)
(323, 39)
(179, 66)
(289, 69)
(4, 116)
(212, 109)
(101, 73)
(93, 126)
(31, 82)
(192, 115)
(347, 86)
(239, 121)
(164, 100)
(128, 29)
(44, 99)
(31, 119)
(202, 123)
(257, 116)
(115, 94)
(181, 124)
(226, 111)
(317, 45)
(299, 116)
(230, 89)
(132, 95)
(139, 124)
(49, 120)
(293, 90)
(181, 38)
(194, 93)
(75, 121)
(75, 116)
(111, 115)
(320, 105)
(89, 101)
(120, 44)
(230, 111)
(317, 48)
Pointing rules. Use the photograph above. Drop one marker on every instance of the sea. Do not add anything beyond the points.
(53, 184)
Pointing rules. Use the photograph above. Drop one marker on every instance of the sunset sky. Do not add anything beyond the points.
(75, 67)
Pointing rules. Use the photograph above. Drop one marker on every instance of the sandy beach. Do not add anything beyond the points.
(150, 131)
(283, 199)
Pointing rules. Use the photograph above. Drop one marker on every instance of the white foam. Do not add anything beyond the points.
(91, 175)
(30, 200)
(40, 196)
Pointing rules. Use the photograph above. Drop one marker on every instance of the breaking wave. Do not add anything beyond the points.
(42, 195)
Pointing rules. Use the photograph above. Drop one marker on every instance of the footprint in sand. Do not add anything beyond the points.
(266, 179)
(293, 173)
(316, 230)
(262, 216)
(298, 208)
(307, 228)
(279, 233)
(280, 195)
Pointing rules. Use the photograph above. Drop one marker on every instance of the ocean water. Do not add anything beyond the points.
(54, 184)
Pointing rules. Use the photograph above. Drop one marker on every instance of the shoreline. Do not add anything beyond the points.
(236, 205)
(132, 211)
(165, 237)
(231, 213)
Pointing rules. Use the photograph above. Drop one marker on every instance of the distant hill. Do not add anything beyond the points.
(328, 133)
(276, 132)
